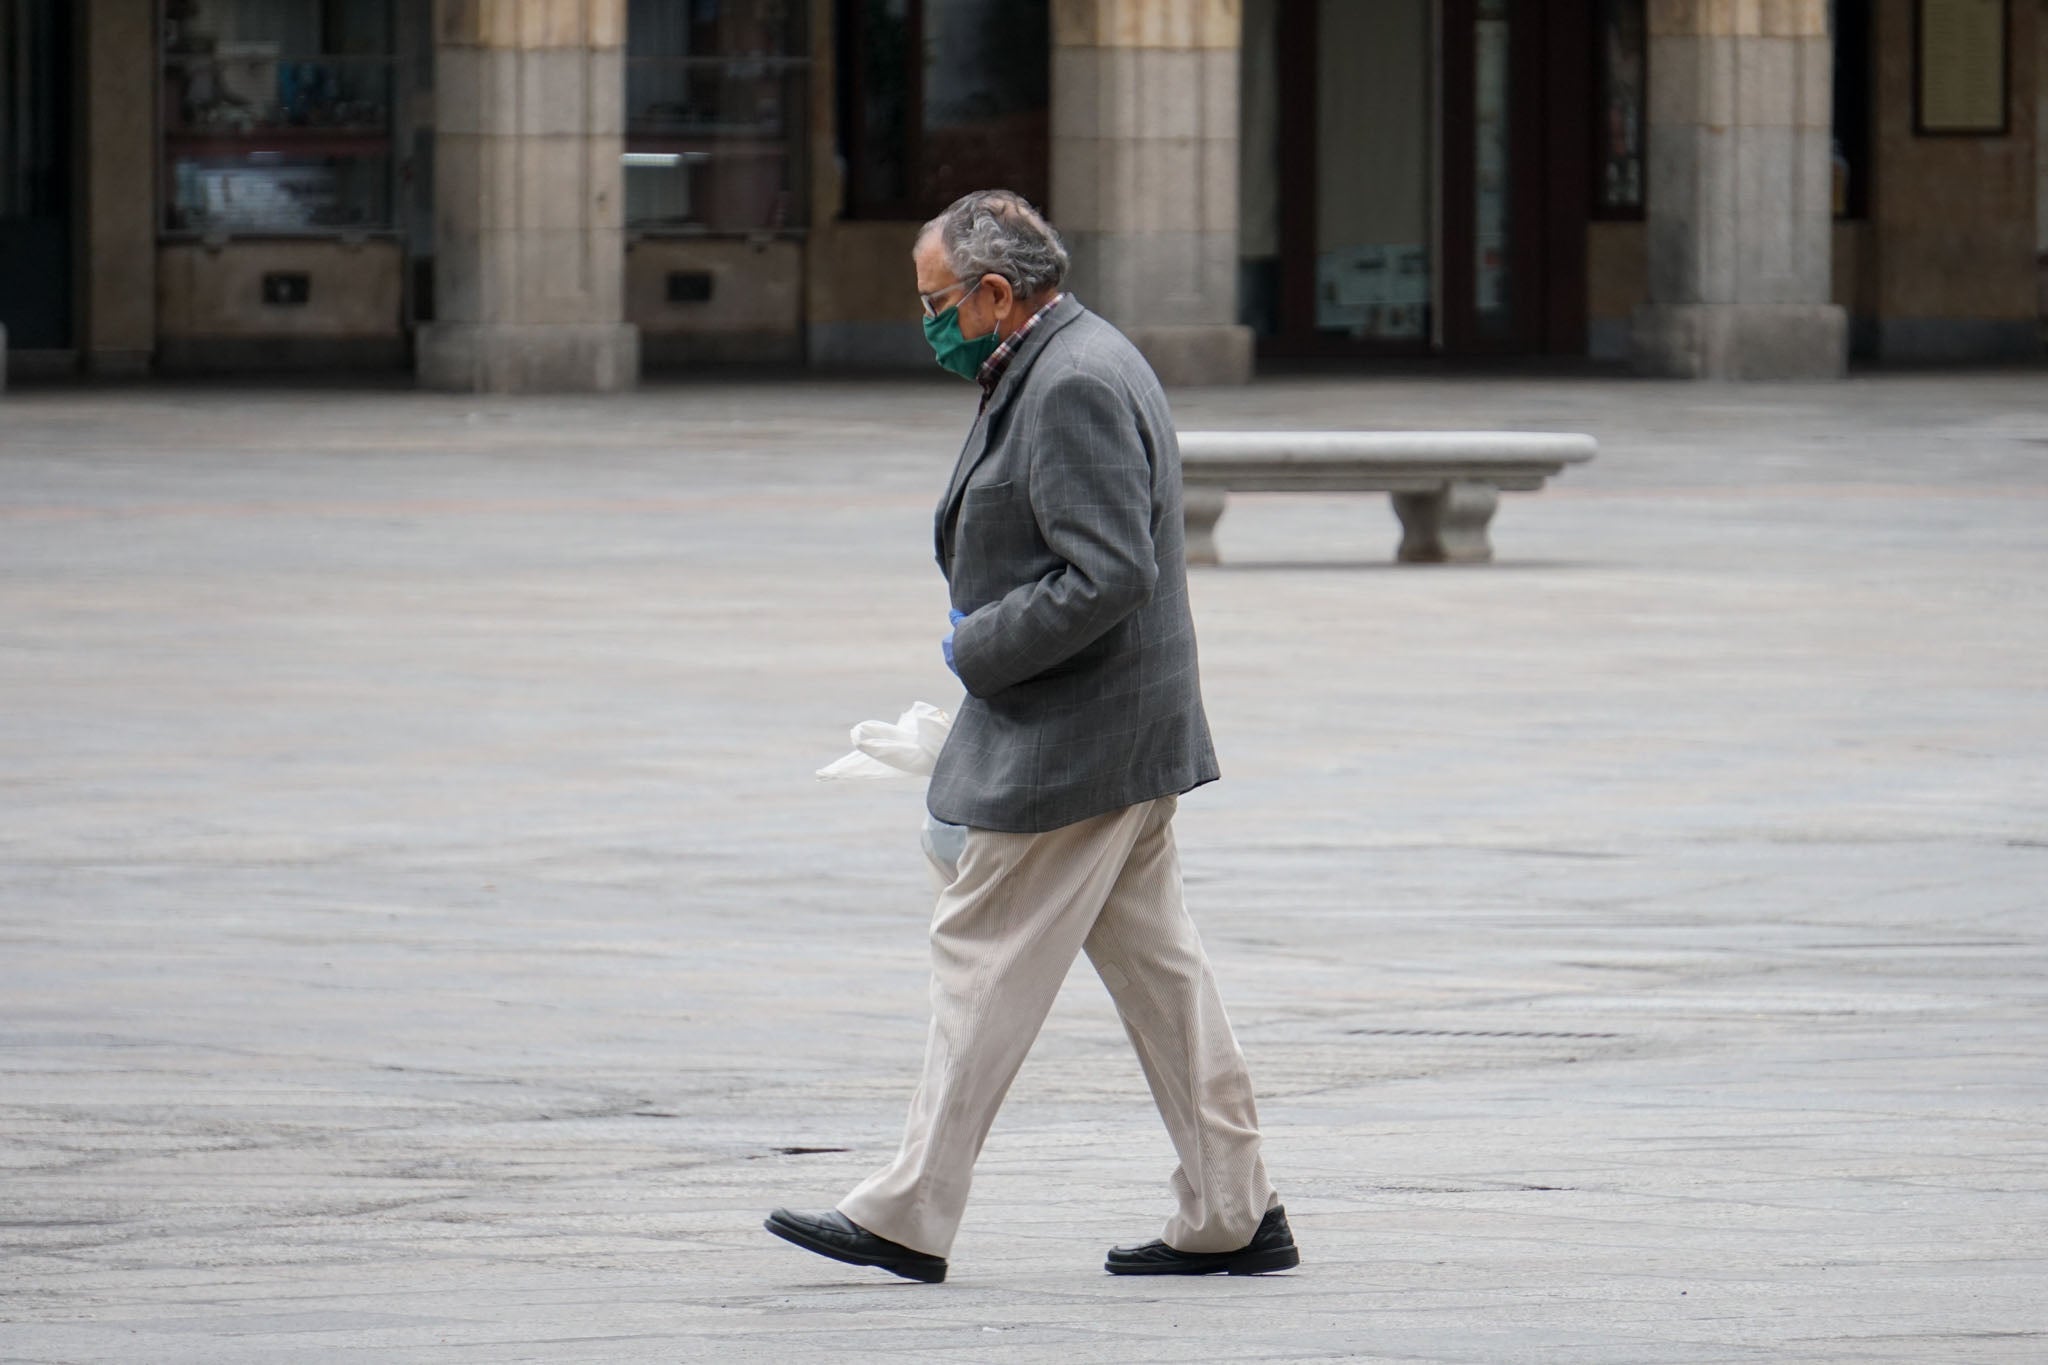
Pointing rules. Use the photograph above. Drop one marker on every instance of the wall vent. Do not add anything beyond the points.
(287, 289)
(689, 286)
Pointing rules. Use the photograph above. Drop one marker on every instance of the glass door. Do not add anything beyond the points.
(1495, 199)
(1375, 219)
(35, 184)
(1492, 160)
(1411, 176)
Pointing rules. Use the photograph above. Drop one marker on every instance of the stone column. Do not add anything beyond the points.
(529, 199)
(1144, 175)
(1739, 201)
(118, 263)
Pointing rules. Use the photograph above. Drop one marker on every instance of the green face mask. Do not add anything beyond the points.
(958, 354)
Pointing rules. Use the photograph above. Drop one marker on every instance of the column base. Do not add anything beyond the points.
(1188, 357)
(1755, 341)
(467, 357)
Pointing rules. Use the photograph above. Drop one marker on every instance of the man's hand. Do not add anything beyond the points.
(946, 645)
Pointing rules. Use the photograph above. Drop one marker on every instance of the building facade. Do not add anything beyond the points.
(564, 194)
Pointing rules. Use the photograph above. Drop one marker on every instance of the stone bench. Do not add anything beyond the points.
(1445, 483)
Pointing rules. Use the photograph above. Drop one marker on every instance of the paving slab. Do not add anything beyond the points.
(422, 938)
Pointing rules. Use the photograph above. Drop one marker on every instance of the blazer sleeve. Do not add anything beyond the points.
(1091, 494)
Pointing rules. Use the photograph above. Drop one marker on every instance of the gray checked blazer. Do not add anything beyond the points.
(1061, 539)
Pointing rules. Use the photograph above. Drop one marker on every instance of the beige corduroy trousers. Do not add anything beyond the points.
(1003, 937)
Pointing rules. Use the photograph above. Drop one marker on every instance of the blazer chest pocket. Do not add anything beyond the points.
(996, 507)
(998, 527)
(987, 494)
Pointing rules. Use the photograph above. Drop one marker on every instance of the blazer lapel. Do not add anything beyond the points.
(976, 448)
(971, 455)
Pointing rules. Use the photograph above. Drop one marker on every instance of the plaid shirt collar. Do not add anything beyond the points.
(992, 369)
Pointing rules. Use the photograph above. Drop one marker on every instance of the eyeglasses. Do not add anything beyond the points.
(931, 309)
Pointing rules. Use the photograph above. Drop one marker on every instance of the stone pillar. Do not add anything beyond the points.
(118, 336)
(529, 199)
(1144, 175)
(1739, 201)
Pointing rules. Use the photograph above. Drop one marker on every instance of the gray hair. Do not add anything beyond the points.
(997, 232)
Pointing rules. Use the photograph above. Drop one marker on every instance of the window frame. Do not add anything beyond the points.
(791, 66)
(174, 145)
(857, 203)
(1599, 210)
(858, 200)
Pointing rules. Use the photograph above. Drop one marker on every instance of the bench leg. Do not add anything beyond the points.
(1447, 526)
(1201, 509)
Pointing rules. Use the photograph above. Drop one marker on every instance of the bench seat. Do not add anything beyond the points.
(1445, 484)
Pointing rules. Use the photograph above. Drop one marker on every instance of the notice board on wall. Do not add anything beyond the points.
(1961, 62)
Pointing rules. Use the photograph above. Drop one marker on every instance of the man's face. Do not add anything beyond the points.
(979, 310)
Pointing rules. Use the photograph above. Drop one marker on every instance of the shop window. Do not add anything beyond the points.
(277, 117)
(715, 116)
(1621, 67)
(940, 97)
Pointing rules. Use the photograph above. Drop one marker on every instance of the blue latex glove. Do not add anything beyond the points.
(946, 645)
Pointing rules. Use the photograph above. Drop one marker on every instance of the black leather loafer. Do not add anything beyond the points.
(834, 1234)
(1270, 1250)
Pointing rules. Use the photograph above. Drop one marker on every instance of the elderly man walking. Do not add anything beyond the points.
(1060, 537)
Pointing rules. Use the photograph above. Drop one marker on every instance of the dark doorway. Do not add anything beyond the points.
(35, 173)
(1433, 162)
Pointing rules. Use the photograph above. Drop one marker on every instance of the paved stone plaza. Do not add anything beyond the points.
(422, 939)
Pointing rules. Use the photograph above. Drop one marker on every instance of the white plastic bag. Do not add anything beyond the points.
(911, 745)
(907, 748)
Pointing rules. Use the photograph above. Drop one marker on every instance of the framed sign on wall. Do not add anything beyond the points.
(1961, 68)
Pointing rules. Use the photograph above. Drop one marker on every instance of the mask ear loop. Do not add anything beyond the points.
(954, 306)
(968, 295)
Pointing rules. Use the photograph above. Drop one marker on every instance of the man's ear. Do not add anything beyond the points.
(1000, 295)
